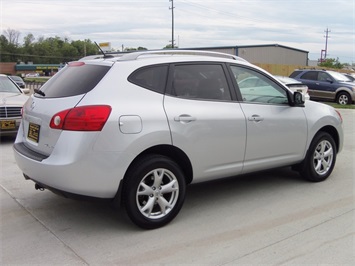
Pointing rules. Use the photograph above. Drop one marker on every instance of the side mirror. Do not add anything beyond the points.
(298, 98)
(329, 80)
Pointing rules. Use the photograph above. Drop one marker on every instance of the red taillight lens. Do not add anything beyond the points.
(84, 118)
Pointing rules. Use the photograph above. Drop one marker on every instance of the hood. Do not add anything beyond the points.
(348, 83)
(7, 98)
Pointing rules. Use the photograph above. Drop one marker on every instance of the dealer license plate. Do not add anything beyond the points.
(7, 124)
(33, 132)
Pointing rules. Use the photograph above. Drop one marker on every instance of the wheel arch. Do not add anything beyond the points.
(172, 152)
(175, 154)
(333, 132)
(344, 90)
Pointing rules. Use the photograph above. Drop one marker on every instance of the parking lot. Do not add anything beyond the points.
(273, 218)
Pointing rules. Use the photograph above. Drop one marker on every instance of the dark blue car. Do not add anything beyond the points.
(326, 85)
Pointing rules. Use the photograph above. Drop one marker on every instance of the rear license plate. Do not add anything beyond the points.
(33, 132)
(8, 124)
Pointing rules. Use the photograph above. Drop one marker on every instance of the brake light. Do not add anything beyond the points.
(83, 118)
(76, 64)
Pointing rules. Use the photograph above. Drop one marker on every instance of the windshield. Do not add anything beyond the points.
(338, 76)
(16, 78)
(6, 85)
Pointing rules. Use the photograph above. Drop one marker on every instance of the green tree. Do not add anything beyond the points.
(331, 63)
(169, 46)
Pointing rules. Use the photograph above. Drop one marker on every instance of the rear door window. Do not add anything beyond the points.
(75, 79)
(200, 81)
(310, 75)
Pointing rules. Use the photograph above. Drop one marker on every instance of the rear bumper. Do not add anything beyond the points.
(90, 174)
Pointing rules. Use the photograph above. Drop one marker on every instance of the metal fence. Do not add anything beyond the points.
(33, 85)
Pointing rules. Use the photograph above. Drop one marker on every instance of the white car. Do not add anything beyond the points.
(12, 99)
(139, 127)
(294, 85)
(32, 75)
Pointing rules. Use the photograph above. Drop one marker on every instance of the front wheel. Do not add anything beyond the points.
(320, 159)
(154, 191)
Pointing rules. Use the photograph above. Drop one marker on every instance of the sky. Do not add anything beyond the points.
(299, 24)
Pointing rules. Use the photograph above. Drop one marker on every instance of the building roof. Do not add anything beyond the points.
(251, 46)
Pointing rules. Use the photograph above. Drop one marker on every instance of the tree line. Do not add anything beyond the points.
(52, 50)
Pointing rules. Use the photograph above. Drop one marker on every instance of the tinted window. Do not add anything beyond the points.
(264, 90)
(311, 75)
(152, 78)
(200, 82)
(73, 80)
(322, 76)
(295, 73)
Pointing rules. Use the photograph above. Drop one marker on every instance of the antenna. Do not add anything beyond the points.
(98, 46)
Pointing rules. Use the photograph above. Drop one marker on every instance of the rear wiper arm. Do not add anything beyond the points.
(39, 92)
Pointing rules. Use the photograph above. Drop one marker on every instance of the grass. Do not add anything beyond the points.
(340, 106)
(38, 80)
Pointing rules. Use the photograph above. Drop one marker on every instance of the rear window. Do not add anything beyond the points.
(75, 79)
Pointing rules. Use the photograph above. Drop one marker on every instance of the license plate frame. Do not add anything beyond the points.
(7, 124)
(33, 132)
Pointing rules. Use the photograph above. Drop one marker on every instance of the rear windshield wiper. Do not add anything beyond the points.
(39, 92)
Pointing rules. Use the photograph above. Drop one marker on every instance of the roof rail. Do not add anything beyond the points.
(100, 56)
(136, 55)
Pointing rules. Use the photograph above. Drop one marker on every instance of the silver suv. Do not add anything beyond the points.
(139, 127)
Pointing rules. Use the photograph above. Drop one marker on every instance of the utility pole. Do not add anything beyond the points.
(326, 42)
(172, 23)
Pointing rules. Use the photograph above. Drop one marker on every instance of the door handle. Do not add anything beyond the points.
(255, 118)
(184, 118)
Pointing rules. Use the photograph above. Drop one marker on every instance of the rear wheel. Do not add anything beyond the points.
(320, 159)
(343, 98)
(154, 191)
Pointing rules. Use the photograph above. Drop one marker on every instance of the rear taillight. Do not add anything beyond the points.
(83, 118)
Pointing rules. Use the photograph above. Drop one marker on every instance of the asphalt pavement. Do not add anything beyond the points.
(270, 218)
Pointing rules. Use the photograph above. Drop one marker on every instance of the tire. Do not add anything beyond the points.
(154, 191)
(320, 159)
(343, 98)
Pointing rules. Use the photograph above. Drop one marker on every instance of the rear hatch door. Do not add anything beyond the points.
(63, 91)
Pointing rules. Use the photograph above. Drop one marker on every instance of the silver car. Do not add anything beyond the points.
(137, 128)
(11, 101)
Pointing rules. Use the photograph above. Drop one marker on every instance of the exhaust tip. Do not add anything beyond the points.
(39, 187)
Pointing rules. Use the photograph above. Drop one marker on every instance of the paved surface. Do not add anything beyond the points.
(271, 218)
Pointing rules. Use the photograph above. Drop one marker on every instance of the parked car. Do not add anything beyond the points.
(32, 75)
(351, 77)
(294, 85)
(11, 101)
(19, 81)
(326, 85)
(140, 127)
